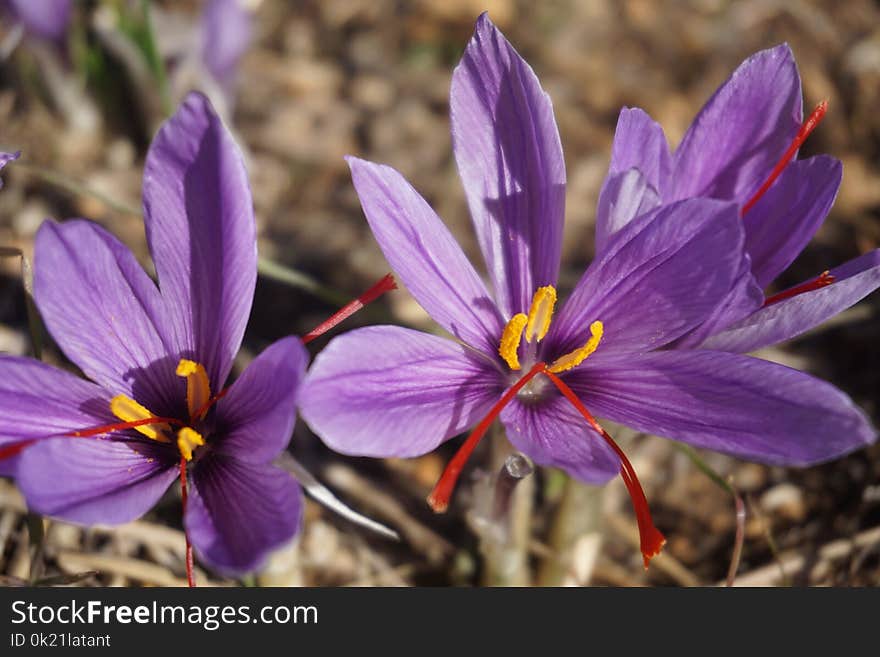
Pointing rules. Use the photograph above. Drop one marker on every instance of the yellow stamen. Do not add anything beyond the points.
(128, 410)
(576, 357)
(541, 313)
(510, 340)
(187, 440)
(198, 387)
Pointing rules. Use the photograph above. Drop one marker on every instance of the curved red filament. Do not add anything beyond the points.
(806, 128)
(119, 426)
(208, 404)
(439, 497)
(190, 568)
(824, 279)
(650, 538)
(385, 284)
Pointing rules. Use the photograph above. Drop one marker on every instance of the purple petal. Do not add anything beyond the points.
(391, 391)
(47, 19)
(785, 219)
(37, 400)
(639, 143)
(510, 160)
(624, 197)
(6, 158)
(103, 311)
(256, 417)
(425, 255)
(786, 319)
(202, 236)
(746, 407)
(94, 481)
(553, 433)
(238, 512)
(226, 36)
(744, 298)
(658, 277)
(742, 131)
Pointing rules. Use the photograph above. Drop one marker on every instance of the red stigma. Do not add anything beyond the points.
(824, 279)
(386, 284)
(650, 538)
(190, 569)
(119, 426)
(439, 497)
(208, 404)
(806, 128)
(14, 449)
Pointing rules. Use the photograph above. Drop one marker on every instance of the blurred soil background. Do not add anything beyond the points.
(326, 78)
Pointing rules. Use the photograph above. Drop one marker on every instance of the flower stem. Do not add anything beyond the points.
(506, 529)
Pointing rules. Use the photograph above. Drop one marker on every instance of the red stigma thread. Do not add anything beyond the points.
(386, 284)
(806, 128)
(650, 538)
(208, 404)
(119, 426)
(190, 575)
(824, 279)
(14, 449)
(439, 497)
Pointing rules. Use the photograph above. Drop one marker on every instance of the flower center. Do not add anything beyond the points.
(534, 327)
(198, 402)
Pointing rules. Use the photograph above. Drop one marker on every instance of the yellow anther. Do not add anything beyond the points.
(541, 313)
(510, 340)
(198, 387)
(128, 410)
(576, 357)
(187, 440)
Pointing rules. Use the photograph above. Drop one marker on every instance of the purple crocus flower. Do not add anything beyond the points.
(741, 147)
(390, 391)
(104, 451)
(6, 158)
(46, 19)
(225, 31)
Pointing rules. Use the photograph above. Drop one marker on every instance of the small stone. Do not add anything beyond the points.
(786, 500)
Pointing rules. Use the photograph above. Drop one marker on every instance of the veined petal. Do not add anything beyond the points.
(552, 433)
(785, 219)
(639, 143)
(743, 406)
(104, 312)
(239, 512)
(391, 391)
(426, 256)
(742, 131)
(786, 319)
(624, 196)
(94, 480)
(37, 400)
(744, 298)
(658, 277)
(509, 156)
(200, 227)
(255, 419)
